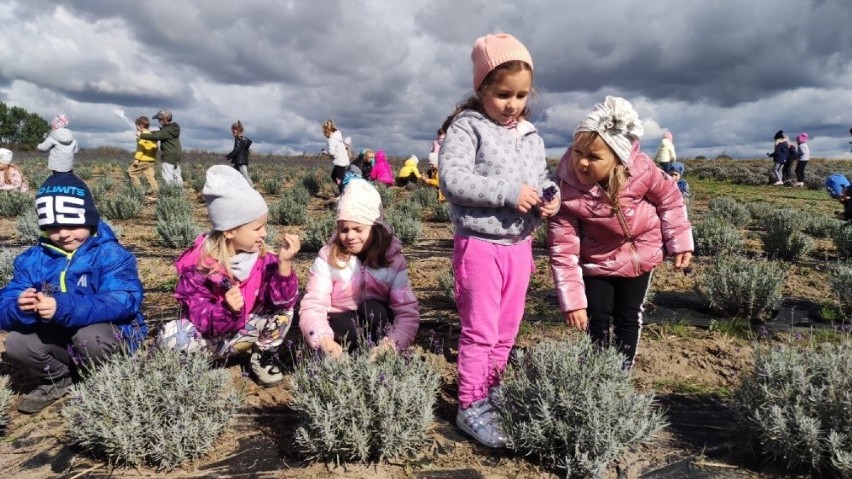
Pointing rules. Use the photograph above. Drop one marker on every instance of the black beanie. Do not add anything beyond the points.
(64, 200)
(779, 135)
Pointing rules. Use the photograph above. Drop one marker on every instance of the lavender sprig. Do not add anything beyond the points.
(548, 194)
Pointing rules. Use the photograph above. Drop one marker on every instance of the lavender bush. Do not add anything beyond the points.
(739, 286)
(797, 404)
(361, 410)
(158, 408)
(571, 405)
(405, 224)
(441, 213)
(783, 237)
(288, 211)
(317, 233)
(6, 395)
(731, 210)
(717, 236)
(27, 226)
(178, 231)
(14, 203)
(123, 206)
(843, 241)
(840, 280)
(7, 265)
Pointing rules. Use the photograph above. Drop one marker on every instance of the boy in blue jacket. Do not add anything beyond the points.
(74, 296)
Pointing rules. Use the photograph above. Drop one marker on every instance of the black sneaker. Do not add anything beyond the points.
(44, 396)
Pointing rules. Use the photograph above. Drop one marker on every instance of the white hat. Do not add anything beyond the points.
(231, 201)
(618, 125)
(361, 203)
(5, 156)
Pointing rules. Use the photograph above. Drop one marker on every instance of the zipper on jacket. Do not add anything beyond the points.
(68, 258)
(623, 222)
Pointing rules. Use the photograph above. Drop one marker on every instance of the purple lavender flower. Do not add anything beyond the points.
(548, 194)
(48, 289)
(687, 271)
(225, 284)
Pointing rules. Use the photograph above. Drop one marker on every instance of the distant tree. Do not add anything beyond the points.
(20, 128)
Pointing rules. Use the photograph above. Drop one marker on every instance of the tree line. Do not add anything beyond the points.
(21, 129)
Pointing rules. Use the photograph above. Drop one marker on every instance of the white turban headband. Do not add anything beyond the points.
(618, 125)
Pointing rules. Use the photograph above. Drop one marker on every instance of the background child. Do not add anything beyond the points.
(676, 171)
(666, 152)
(359, 284)
(239, 155)
(235, 294)
(409, 172)
(338, 151)
(432, 177)
(364, 162)
(436, 146)
(144, 159)
(11, 177)
(169, 137)
(382, 171)
(74, 297)
(792, 156)
(495, 203)
(619, 217)
(61, 144)
(779, 156)
(838, 187)
(804, 154)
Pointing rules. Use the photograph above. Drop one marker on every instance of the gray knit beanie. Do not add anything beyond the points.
(231, 201)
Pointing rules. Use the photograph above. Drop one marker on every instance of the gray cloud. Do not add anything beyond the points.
(721, 75)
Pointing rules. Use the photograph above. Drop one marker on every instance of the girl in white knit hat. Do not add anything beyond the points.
(11, 177)
(235, 294)
(620, 216)
(358, 291)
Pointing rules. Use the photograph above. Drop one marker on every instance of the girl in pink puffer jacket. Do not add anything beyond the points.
(620, 215)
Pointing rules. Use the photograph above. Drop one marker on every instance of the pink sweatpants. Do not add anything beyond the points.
(491, 290)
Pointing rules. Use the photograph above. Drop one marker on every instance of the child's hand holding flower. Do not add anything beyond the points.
(289, 247)
(45, 305)
(27, 300)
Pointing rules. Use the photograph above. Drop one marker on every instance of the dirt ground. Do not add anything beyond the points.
(691, 369)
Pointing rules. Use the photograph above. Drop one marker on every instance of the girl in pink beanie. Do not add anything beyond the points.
(493, 173)
(358, 284)
(804, 155)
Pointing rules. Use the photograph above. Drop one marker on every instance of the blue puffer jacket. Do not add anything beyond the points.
(97, 283)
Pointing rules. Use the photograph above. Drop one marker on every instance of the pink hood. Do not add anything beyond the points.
(332, 290)
(587, 236)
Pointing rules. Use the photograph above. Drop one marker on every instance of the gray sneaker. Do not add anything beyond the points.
(265, 368)
(480, 422)
(43, 396)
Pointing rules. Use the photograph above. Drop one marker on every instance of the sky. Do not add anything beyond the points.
(722, 75)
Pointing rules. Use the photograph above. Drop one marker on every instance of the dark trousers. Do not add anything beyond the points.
(337, 176)
(618, 299)
(48, 352)
(800, 171)
(788, 165)
(402, 181)
(369, 323)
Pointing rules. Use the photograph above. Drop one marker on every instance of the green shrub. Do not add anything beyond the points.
(447, 285)
(731, 210)
(159, 408)
(843, 241)
(822, 226)
(27, 226)
(571, 404)
(171, 191)
(405, 226)
(441, 212)
(7, 265)
(386, 194)
(272, 185)
(178, 232)
(6, 396)
(170, 207)
(14, 203)
(717, 236)
(123, 206)
(363, 410)
(196, 182)
(797, 404)
(311, 183)
(300, 194)
(840, 280)
(317, 233)
(425, 196)
(739, 286)
(760, 210)
(783, 238)
(288, 211)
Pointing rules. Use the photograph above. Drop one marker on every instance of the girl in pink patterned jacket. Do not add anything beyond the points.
(620, 216)
(358, 288)
(11, 177)
(235, 294)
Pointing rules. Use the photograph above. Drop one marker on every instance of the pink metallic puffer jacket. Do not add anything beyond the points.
(589, 237)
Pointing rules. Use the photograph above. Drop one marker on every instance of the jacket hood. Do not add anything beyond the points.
(103, 234)
(62, 135)
(411, 162)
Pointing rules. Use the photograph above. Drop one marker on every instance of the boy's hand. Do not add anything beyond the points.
(549, 209)
(46, 306)
(27, 300)
(579, 319)
(682, 260)
(527, 199)
(234, 299)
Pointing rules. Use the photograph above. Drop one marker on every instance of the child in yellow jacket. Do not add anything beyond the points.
(409, 172)
(144, 159)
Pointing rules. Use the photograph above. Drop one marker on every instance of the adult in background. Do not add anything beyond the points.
(170, 150)
(666, 152)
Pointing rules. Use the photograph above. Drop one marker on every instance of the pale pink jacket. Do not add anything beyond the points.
(589, 237)
(333, 290)
(16, 180)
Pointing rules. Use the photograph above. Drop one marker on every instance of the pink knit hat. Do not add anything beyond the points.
(491, 51)
(668, 135)
(60, 121)
(802, 138)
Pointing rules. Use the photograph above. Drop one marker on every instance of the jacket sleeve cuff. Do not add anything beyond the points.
(64, 307)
